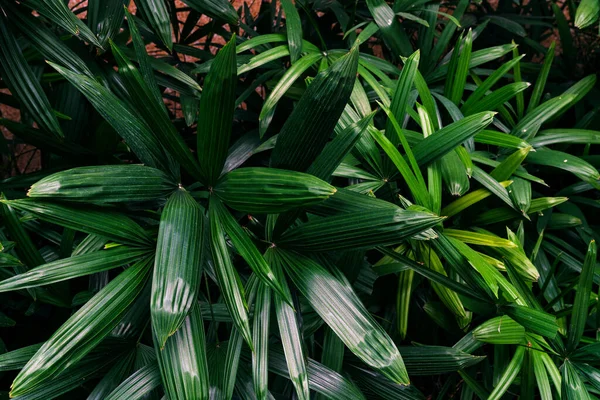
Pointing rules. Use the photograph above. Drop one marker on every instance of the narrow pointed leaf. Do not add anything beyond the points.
(90, 220)
(509, 374)
(58, 12)
(260, 337)
(353, 231)
(182, 362)
(19, 77)
(248, 250)
(285, 82)
(158, 16)
(73, 267)
(134, 130)
(307, 130)
(580, 306)
(500, 330)
(221, 9)
(343, 311)
(449, 137)
(154, 113)
(177, 267)
(106, 184)
(227, 276)
(270, 190)
(394, 35)
(138, 385)
(216, 113)
(291, 335)
(84, 330)
(402, 93)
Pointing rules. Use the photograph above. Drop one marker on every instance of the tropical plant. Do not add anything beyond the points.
(361, 202)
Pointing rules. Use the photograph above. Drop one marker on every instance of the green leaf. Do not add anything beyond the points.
(561, 135)
(118, 373)
(454, 174)
(509, 374)
(572, 387)
(500, 139)
(500, 330)
(105, 184)
(217, 105)
(449, 137)
(47, 42)
(182, 362)
(306, 131)
(73, 267)
(343, 311)
(541, 377)
(260, 338)
(89, 368)
(283, 84)
(27, 250)
(403, 298)
(587, 13)
(83, 330)
(105, 18)
(492, 185)
(528, 126)
(220, 9)
(178, 265)
(416, 185)
(23, 84)
(435, 360)
(17, 359)
(510, 164)
(468, 200)
(459, 76)
(335, 151)
(373, 382)
(478, 58)
(518, 78)
(154, 113)
(147, 63)
(137, 385)
(90, 220)
(520, 194)
(227, 277)
(291, 335)
(533, 320)
(449, 298)
(558, 159)
(580, 305)
(270, 190)
(393, 33)
(134, 130)
(496, 99)
(540, 83)
(155, 12)
(487, 85)
(293, 26)
(503, 214)
(352, 231)
(333, 351)
(401, 94)
(477, 238)
(321, 379)
(58, 12)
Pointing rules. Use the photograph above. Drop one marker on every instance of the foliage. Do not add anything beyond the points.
(342, 199)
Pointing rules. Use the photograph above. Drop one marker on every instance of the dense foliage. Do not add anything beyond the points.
(314, 199)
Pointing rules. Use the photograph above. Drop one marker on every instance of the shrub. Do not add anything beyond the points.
(361, 202)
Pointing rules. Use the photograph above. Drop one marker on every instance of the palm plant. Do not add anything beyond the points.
(232, 246)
